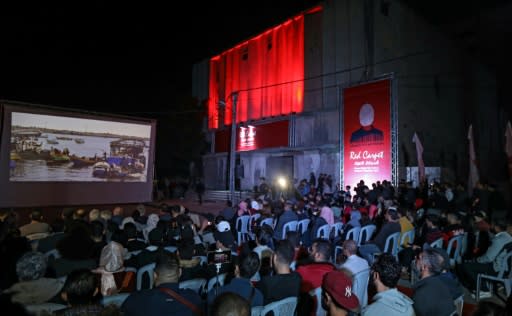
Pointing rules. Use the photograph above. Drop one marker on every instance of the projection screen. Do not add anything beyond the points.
(55, 156)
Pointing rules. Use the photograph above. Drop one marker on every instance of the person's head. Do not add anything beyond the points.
(392, 214)
(130, 230)
(320, 250)
(283, 253)
(432, 220)
(429, 263)
(106, 215)
(94, 214)
(453, 218)
(264, 236)
(385, 272)
(31, 266)
(337, 295)
(499, 225)
(443, 257)
(349, 247)
(248, 266)
(80, 288)
(111, 257)
(36, 215)
(118, 211)
(230, 304)
(167, 269)
(97, 229)
(79, 214)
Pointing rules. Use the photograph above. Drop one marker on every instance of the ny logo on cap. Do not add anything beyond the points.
(348, 291)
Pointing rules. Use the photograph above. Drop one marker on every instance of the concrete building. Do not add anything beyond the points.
(437, 91)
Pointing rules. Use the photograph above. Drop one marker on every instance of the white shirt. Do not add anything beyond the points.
(355, 264)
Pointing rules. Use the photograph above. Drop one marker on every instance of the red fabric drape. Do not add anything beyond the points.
(267, 72)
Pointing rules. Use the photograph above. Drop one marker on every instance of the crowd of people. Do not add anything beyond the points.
(84, 256)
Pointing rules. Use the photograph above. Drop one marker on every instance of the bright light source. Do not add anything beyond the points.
(282, 182)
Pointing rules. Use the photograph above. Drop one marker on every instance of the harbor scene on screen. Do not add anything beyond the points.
(51, 148)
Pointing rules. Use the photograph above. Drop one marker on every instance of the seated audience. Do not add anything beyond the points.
(81, 294)
(241, 283)
(113, 277)
(166, 298)
(33, 287)
(284, 283)
(430, 288)
(354, 263)
(388, 301)
(377, 244)
(36, 225)
(337, 296)
(230, 304)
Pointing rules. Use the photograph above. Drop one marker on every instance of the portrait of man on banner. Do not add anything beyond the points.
(367, 133)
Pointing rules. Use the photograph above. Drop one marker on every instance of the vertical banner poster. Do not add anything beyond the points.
(367, 133)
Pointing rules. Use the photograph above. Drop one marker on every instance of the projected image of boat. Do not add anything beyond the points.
(126, 160)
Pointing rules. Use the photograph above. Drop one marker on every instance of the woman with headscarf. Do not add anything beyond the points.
(114, 278)
(150, 225)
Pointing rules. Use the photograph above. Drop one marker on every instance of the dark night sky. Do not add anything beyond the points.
(110, 56)
(106, 56)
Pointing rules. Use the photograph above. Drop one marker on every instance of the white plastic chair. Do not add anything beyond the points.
(269, 221)
(340, 248)
(256, 310)
(409, 236)
(202, 260)
(353, 234)
(391, 245)
(459, 304)
(337, 228)
(366, 233)
(214, 282)
(302, 225)
(197, 284)
(438, 243)
(170, 248)
(360, 286)
(284, 307)
(148, 268)
(117, 299)
(242, 228)
(504, 277)
(52, 255)
(290, 226)
(317, 293)
(456, 255)
(464, 247)
(323, 231)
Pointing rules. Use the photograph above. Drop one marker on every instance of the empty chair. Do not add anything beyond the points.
(454, 249)
(284, 307)
(366, 233)
(337, 228)
(323, 231)
(438, 243)
(360, 286)
(197, 285)
(147, 269)
(242, 228)
(317, 294)
(117, 299)
(353, 234)
(290, 226)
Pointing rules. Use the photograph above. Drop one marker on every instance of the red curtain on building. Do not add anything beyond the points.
(267, 72)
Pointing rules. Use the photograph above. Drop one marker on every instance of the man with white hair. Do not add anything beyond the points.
(367, 133)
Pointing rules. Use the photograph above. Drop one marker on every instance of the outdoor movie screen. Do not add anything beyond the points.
(58, 148)
(53, 156)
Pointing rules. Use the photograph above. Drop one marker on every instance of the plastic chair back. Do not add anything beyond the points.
(438, 243)
(366, 233)
(337, 229)
(214, 282)
(391, 245)
(284, 307)
(317, 293)
(290, 226)
(302, 225)
(147, 269)
(269, 221)
(353, 234)
(360, 286)
(197, 285)
(323, 231)
(407, 237)
(454, 249)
